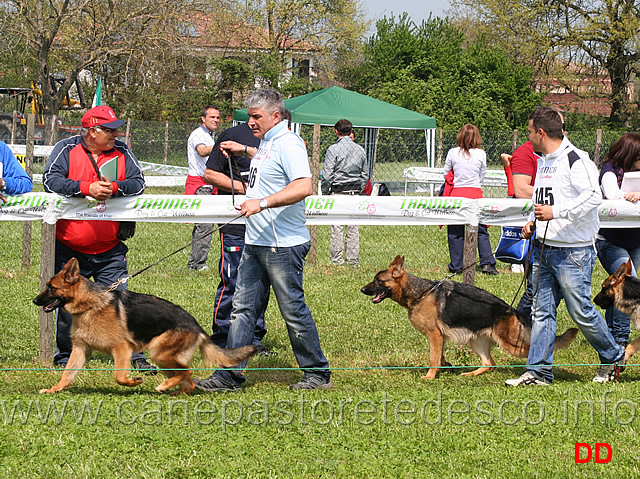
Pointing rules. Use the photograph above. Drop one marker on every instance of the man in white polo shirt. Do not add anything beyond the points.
(199, 148)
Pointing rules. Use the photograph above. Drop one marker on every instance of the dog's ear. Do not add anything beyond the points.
(72, 271)
(628, 267)
(623, 270)
(397, 266)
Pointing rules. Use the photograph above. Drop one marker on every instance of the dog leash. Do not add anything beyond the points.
(450, 275)
(115, 285)
(464, 268)
(542, 243)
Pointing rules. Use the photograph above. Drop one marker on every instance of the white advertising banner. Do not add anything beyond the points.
(320, 210)
(31, 207)
(619, 214)
(389, 210)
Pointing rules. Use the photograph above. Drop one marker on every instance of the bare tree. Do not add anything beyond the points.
(567, 40)
(328, 28)
(68, 36)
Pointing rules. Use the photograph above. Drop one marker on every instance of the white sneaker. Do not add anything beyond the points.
(517, 268)
(607, 373)
(204, 267)
(527, 379)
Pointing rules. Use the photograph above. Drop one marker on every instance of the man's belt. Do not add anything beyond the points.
(347, 188)
(539, 244)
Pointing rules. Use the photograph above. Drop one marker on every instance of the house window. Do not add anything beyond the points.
(301, 67)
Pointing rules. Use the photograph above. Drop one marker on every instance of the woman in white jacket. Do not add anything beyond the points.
(468, 161)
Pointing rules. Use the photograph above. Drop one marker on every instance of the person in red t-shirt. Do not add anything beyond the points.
(520, 169)
(521, 166)
(78, 167)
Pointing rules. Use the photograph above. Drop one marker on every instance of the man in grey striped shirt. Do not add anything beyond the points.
(344, 173)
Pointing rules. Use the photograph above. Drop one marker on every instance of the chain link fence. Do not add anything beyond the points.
(391, 154)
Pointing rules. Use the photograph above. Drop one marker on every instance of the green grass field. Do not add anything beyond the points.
(379, 420)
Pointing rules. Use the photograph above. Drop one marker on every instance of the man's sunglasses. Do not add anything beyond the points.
(107, 130)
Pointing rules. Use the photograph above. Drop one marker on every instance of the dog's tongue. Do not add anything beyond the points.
(47, 308)
(379, 297)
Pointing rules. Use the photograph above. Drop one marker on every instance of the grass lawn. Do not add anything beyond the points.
(379, 420)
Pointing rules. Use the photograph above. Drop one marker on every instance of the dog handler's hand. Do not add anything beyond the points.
(232, 147)
(250, 207)
(528, 229)
(632, 196)
(543, 212)
(100, 190)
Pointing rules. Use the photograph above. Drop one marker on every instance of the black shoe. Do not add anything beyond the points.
(489, 269)
(215, 384)
(61, 364)
(143, 366)
(454, 271)
(312, 381)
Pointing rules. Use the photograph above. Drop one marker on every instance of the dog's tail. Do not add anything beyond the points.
(214, 355)
(513, 335)
(564, 340)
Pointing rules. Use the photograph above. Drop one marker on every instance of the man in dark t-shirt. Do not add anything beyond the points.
(218, 174)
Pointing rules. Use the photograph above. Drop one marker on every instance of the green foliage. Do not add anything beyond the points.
(233, 74)
(296, 86)
(432, 69)
(589, 48)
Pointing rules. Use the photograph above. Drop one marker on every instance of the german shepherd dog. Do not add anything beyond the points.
(458, 312)
(121, 322)
(622, 290)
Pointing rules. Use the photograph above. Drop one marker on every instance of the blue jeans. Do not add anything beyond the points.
(526, 301)
(231, 247)
(282, 269)
(612, 257)
(455, 234)
(566, 273)
(105, 268)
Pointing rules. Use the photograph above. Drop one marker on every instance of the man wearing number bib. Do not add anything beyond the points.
(566, 196)
(276, 244)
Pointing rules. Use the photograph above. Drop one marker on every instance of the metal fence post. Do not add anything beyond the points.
(166, 142)
(439, 164)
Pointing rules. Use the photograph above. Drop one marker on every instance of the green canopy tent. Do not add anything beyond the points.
(325, 107)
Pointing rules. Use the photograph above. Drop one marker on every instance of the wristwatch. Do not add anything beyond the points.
(263, 204)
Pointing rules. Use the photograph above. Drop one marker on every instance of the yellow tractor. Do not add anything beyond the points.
(29, 100)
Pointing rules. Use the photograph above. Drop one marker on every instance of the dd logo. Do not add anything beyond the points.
(598, 447)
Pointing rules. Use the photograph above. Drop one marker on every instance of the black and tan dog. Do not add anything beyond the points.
(457, 312)
(121, 322)
(622, 290)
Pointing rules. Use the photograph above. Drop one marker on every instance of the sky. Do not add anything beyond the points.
(418, 10)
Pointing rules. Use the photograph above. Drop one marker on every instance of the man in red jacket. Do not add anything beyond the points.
(98, 165)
